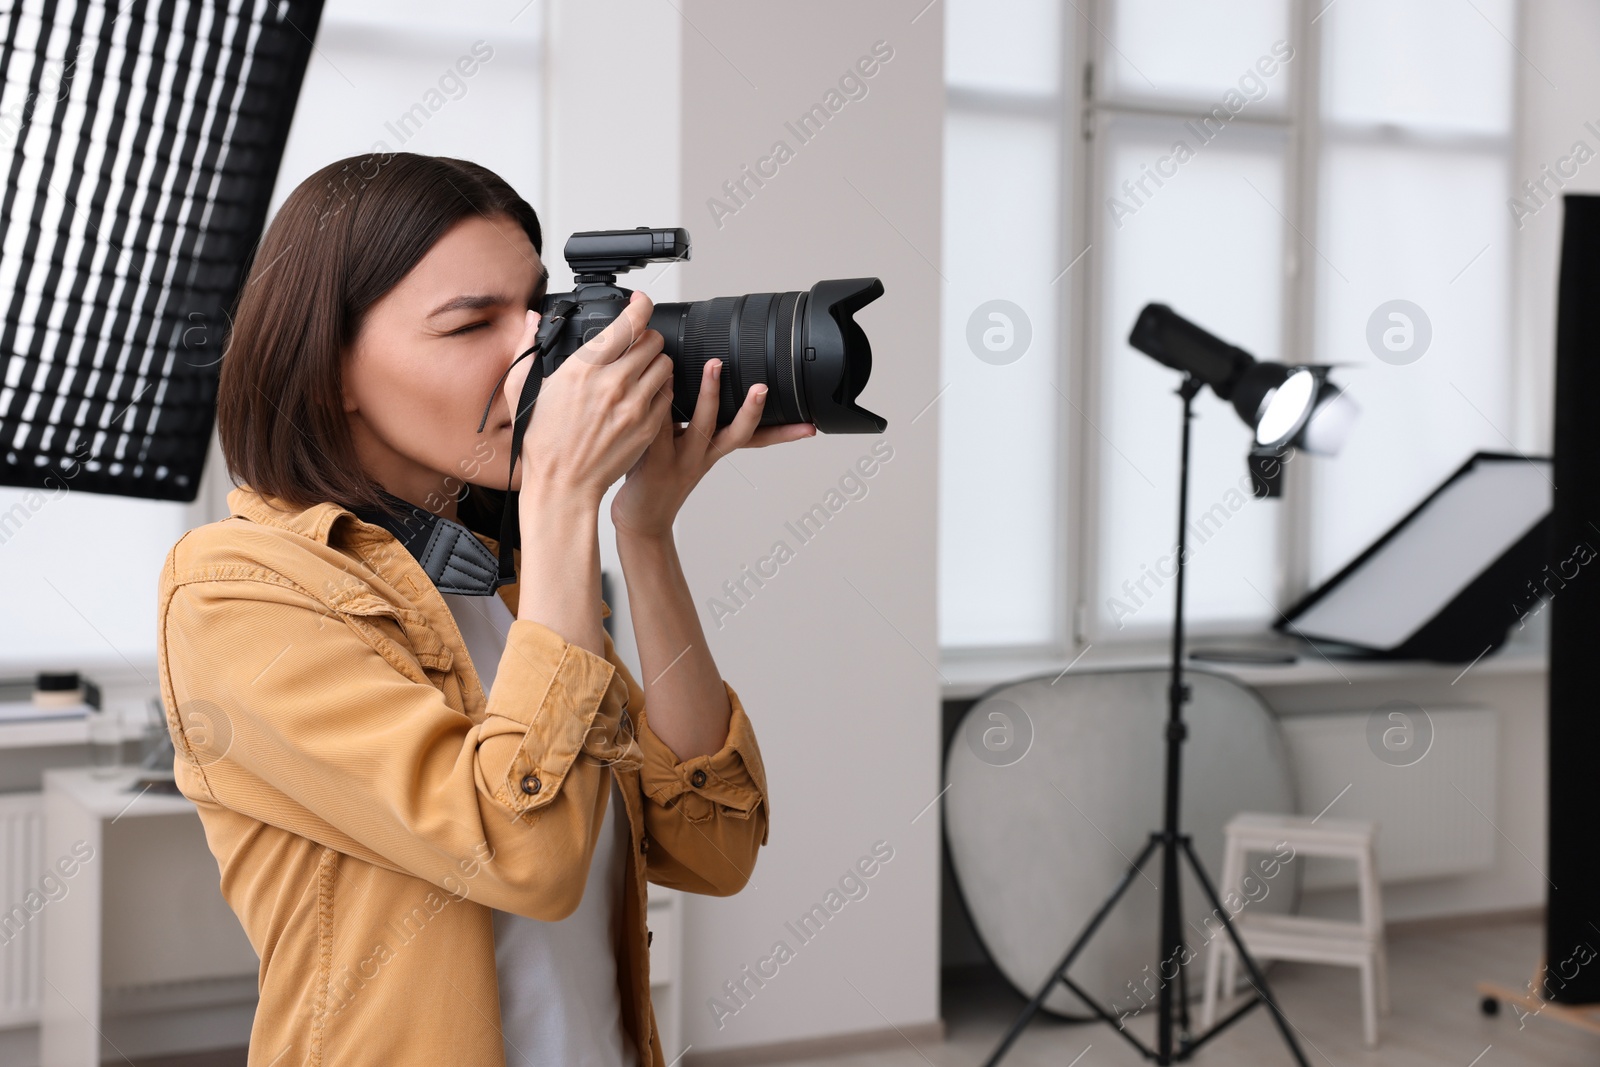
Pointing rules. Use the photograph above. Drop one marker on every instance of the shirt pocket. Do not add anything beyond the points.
(401, 634)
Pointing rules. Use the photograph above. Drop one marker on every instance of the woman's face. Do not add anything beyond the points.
(427, 359)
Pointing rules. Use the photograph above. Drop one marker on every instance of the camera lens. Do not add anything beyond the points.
(805, 347)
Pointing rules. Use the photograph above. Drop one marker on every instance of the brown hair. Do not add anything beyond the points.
(344, 237)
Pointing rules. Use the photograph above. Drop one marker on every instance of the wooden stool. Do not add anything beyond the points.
(1292, 937)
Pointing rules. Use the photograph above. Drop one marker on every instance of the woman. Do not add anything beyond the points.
(435, 803)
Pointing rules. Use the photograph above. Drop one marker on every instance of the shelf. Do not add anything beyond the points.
(34, 733)
(966, 680)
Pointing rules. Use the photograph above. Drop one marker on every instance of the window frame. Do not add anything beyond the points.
(1061, 109)
(1081, 114)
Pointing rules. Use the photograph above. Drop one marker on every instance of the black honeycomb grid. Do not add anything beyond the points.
(139, 144)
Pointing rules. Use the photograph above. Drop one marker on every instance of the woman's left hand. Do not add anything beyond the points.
(675, 461)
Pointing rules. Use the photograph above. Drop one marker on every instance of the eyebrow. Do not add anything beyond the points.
(475, 302)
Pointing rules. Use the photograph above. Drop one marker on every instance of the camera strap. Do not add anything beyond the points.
(550, 328)
(449, 551)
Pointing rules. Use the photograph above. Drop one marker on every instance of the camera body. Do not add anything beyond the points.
(806, 347)
(596, 257)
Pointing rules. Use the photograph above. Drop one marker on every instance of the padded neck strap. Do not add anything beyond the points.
(449, 552)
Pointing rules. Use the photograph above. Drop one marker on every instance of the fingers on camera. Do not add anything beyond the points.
(633, 324)
(658, 373)
(608, 344)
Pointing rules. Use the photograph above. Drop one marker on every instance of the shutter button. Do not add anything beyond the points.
(698, 779)
(530, 784)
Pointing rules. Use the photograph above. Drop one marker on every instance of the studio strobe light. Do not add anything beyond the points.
(1285, 407)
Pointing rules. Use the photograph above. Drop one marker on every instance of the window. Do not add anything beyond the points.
(1414, 177)
(1280, 172)
(1005, 217)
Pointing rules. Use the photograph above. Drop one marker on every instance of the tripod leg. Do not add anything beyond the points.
(1072, 953)
(1172, 945)
(1245, 958)
(1183, 1003)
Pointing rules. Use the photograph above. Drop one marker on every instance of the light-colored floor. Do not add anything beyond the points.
(1435, 1022)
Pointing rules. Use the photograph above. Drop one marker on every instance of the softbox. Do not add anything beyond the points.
(139, 143)
(1449, 579)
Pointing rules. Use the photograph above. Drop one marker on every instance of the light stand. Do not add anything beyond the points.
(1171, 841)
(1284, 406)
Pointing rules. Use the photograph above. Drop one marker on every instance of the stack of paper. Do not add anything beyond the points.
(25, 710)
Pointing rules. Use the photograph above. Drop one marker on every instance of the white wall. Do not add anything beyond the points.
(648, 113)
(1515, 878)
(835, 654)
(376, 60)
(611, 105)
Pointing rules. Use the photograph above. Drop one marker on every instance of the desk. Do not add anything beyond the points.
(164, 925)
(142, 927)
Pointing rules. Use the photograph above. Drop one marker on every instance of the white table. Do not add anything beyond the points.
(143, 910)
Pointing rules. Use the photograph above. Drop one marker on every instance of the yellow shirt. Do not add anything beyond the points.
(369, 806)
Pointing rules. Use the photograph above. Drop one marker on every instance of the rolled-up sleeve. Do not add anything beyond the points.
(705, 818)
(326, 725)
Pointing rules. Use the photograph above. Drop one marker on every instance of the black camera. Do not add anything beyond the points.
(805, 347)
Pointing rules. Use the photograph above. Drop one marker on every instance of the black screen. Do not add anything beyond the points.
(1573, 920)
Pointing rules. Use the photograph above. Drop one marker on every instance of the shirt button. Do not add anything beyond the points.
(530, 784)
(644, 844)
(698, 779)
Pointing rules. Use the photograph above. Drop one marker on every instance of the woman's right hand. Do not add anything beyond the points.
(597, 413)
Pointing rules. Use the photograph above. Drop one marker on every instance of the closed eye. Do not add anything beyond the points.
(466, 329)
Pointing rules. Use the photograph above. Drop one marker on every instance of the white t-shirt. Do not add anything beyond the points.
(560, 1003)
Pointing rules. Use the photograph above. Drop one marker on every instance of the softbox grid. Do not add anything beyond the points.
(139, 143)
